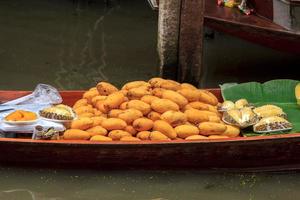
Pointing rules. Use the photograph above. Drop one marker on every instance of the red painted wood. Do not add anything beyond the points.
(223, 154)
(259, 153)
(6, 95)
(263, 8)
(69, 97)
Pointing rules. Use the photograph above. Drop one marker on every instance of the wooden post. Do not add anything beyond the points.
(168, 33)
(191, 41)
(180, 39)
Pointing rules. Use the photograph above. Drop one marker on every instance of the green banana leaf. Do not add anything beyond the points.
(279, 92)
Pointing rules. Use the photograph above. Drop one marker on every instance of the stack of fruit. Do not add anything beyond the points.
(159, 109)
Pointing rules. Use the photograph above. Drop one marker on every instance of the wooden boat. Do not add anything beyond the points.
(268, 152)
(273, 29)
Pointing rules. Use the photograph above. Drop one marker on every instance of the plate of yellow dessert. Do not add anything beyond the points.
(21, 117)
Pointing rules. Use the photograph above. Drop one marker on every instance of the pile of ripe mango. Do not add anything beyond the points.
(159, 109)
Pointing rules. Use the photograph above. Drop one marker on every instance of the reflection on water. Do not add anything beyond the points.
(74, 44)
(228, 59)
(30, 193)
(17, 183)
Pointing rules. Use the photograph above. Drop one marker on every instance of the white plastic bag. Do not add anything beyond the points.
(42, 94)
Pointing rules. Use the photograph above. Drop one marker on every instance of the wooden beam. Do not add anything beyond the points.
(168, 33)
(190, 56)
(180, 39)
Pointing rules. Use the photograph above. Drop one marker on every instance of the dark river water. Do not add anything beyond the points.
(73, 44)
(43, 184)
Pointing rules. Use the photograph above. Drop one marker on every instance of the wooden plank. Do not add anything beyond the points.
(191, 41)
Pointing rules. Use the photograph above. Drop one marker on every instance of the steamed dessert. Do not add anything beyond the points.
(226, 105)
(230, 105)
(241, 103)
(240, 117)
(272, 124)
(58, 112)
(269, 111)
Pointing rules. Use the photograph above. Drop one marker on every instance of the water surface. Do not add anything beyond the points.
(45, 184)
(75, 44)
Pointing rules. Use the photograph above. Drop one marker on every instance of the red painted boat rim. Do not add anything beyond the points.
(148, 142)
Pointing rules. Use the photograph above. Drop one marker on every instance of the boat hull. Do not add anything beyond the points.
(237, 154)
(259, 152)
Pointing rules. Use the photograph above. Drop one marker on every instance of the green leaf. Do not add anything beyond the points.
(279, 92)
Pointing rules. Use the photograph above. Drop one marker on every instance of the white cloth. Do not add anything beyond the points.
(30, 127)
(5, 127)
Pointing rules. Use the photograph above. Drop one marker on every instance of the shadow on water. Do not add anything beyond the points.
(229, 59)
